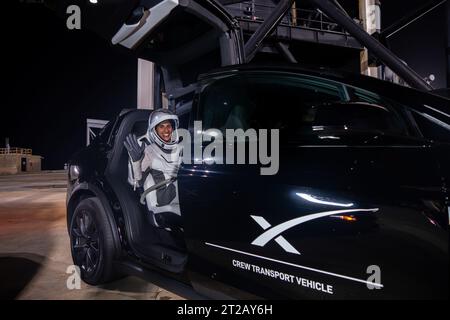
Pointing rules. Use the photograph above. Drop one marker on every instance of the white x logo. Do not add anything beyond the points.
(274, 232)
(280, 239)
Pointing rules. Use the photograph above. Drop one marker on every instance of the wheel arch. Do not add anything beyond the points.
(86, 190)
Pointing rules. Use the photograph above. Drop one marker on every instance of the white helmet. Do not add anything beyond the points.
(156, 117)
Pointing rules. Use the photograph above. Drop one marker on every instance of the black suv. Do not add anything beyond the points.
(359, 207)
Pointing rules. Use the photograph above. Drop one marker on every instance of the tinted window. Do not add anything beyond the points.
(104, 134)
(262, 101)
(297, 105)
(356, 116)
(433, 127)
(398, 111)
(106, 131)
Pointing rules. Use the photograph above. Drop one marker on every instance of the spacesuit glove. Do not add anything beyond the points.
(135, 150)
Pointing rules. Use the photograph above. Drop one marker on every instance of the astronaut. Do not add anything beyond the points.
(153, 164)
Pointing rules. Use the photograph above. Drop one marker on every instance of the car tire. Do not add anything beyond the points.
(92, 242)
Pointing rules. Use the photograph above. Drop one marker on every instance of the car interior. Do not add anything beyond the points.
(155, 245)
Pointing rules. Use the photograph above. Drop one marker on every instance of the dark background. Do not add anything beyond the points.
(54, 78)
(423, 43)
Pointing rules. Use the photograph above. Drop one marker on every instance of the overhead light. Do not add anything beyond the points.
(93, 1)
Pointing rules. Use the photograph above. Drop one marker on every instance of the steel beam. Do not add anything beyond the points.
(375, 47)
(266, 28)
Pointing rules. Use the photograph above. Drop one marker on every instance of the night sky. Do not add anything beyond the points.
(422, 43)
(53, 78)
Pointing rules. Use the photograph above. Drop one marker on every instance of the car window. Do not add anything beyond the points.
(106, 130)
(433, 127)
(356, 117)
(296, 105)
(104, 135)
(258, 101)
(405, 124)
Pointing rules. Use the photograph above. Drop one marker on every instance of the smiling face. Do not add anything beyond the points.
(164, 130)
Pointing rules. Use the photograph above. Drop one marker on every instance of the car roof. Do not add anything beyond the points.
(270, 67)
(353, 79)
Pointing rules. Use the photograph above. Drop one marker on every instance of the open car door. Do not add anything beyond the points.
(183, 37)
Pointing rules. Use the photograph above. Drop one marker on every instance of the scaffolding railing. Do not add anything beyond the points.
(24, 151)
(295, 18)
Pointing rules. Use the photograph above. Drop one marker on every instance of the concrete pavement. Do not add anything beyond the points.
(34, 245)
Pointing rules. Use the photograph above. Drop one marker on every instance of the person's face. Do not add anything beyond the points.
(164, 130)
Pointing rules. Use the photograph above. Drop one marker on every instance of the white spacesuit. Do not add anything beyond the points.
(154, 160)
